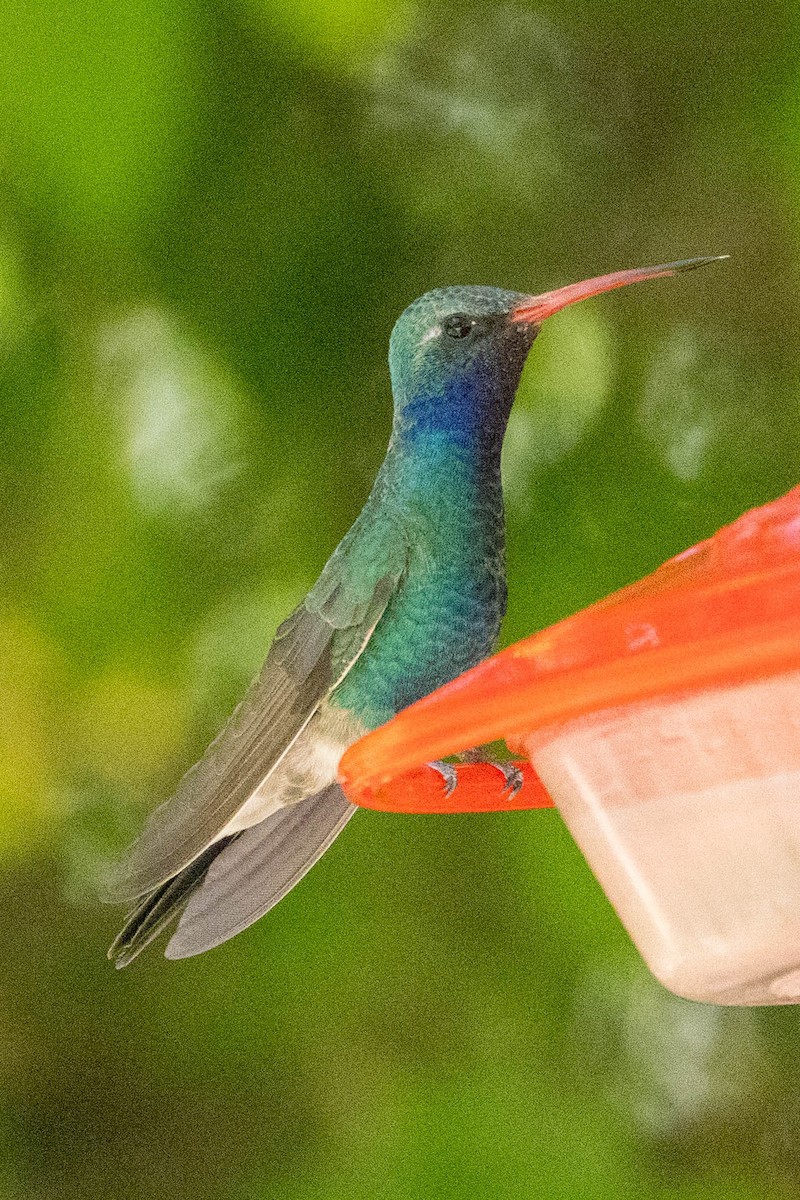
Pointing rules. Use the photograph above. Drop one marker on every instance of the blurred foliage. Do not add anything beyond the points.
(210, 217)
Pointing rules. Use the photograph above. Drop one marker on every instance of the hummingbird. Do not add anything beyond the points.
(412, 596)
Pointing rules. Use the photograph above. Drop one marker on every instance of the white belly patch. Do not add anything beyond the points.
(310, 765)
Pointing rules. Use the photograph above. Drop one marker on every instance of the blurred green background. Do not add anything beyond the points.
(210, 217)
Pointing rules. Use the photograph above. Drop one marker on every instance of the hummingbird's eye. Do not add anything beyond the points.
(458, 326)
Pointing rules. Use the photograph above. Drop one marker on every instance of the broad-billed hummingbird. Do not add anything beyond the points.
(413, 595)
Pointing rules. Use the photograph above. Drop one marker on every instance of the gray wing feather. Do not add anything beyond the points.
(257, 869)
(312, 652)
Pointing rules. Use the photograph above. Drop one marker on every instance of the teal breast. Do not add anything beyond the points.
(446, 614)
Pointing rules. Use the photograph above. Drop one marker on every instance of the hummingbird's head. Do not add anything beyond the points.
(456, 354)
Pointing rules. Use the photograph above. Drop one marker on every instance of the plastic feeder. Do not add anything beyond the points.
(665, 724)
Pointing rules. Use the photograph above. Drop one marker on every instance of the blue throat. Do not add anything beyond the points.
(470, 412)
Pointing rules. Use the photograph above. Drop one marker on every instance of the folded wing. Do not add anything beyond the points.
(312, 652)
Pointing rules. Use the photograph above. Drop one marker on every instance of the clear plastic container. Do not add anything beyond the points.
(687, 809)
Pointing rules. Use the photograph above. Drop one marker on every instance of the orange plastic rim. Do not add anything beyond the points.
(725, 611)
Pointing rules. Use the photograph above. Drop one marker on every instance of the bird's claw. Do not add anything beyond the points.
(448, 774)
(512, 777)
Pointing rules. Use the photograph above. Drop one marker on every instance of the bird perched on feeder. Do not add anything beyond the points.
(413, 595)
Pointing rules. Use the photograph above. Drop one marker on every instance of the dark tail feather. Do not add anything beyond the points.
(257, 868)
(161, 906)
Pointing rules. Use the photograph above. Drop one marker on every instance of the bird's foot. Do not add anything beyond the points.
(448, 773)
(512, 777)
